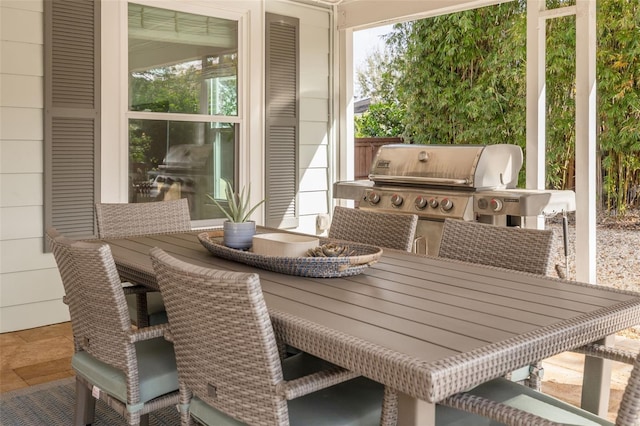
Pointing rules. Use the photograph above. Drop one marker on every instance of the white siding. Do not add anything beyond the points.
(22, 288)
(20, 317)
(19, 23)
(314, 179)
(21, 91)
(24, 254)
(312, 202)
(20, 58)
(313, 156)
(13, 187)
(315, 27)
(21, 157)
(21, 123)
(30, 287)
(29, 218)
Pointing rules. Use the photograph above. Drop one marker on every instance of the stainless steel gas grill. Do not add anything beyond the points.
(465, 182)
(186, 172)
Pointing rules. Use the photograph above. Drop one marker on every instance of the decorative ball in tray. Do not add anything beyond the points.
(322, 259)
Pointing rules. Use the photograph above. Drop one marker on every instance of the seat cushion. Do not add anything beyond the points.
(156, 370)
(523, 398)
(356, 402)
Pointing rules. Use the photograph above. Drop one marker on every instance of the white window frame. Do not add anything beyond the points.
(115, 109)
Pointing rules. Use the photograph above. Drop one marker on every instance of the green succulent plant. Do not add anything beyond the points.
(238, 210)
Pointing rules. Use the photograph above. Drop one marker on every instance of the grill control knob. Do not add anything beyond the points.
(423, 156)
(396, 200)
(373, 198)
(433, 203)
(446, 204)
(496, 204)
(421, 202)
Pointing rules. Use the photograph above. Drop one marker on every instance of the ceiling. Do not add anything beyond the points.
(359, 14)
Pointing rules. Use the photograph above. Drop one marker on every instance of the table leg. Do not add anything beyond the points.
(415, 412)
(596, 382)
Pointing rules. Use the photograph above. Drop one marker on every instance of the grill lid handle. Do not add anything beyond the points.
(418, 180)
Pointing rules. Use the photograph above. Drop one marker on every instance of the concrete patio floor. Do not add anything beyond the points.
(563, 376)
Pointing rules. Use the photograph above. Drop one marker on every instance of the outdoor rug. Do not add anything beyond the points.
(51, 404)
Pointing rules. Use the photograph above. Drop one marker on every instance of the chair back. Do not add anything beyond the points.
(389, 230)
(629, 411)
(519, 249)
(126, 219)
(65, 268)
(225, 346)
(98, 310)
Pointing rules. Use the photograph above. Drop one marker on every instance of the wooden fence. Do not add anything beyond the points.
(365, 151)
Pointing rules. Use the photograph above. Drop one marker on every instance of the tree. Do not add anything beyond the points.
(382, 120)
(619, 102)
(166, 89)
(378, 78)
(463, 76)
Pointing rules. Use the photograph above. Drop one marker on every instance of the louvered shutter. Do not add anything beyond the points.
(282, 118)
(72, 115)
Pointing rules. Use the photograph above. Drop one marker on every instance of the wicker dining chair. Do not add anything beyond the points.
(509, 403)
(118, 220)
(232, 369)
(389, 230)
(131, 370)
(519, 249)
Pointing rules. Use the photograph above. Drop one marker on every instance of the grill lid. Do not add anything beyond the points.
(461, 166)
(187, 157)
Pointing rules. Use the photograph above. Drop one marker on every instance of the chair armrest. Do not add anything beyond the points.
(148, 333)
(607, 352)
(495, 411)
(314, 382)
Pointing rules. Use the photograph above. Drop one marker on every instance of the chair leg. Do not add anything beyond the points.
(389, 415)
(535, 377)
(183, 405)
(85, 406)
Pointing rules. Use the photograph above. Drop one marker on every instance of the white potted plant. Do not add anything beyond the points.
(238, 229)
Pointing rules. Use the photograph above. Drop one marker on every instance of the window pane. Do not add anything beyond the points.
(182, 63)
(170, 160)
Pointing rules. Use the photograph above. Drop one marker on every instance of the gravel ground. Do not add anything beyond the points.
(617, 251)
(617, 254)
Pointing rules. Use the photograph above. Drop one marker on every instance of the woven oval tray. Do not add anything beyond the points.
(319, 267)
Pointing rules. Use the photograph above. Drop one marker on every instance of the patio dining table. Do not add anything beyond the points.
(425, 326)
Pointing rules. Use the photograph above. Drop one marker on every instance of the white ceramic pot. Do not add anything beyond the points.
(239, 235)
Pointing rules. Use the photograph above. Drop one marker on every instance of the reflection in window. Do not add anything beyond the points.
(165, 166)
(186, 66)
(181, 62)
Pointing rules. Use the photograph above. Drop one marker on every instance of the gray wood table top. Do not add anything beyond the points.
(428, 327)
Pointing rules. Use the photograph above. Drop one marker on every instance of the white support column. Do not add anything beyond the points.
(345, 145)
(597, 372)
(536, 103)
(586, 141)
